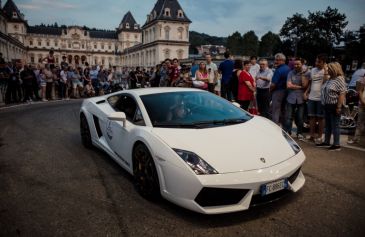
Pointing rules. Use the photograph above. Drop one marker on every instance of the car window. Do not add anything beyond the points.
(191, 109)
(112, 100)
(129, 106)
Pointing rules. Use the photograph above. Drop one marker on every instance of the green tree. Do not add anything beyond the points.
(250, 43)
(234, 43)
(316, 33)
(270, 44)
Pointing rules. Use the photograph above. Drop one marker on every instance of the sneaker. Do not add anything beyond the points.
(335, 148)
(44, 100)
(300, 137)
(318, 140)
(352, 141)
(323, 144)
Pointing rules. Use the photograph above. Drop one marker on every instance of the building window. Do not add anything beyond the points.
(16, 27)
(167, 12)
(127, 25)
(135, 26)
(15, 15)
(32, 59)
(39, 43)
(102, 61)
(180, 33)
(167, 53)
(83, 46)
(180, 14)
(69, 45)
(47, 43)
(102, 46)
(167, 33)
(109, 47)
(56, 43)
(180, 54)
(136, 37)
(31, 42)
(95, 46)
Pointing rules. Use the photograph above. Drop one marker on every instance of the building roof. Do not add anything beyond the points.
(10, 8)
(101, 34)
(158, 12)
(45, 30)
(128, 23)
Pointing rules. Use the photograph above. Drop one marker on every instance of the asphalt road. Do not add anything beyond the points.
(50, 185)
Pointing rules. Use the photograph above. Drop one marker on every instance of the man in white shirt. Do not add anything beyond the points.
(313, 94)
(263, 81)
(213, 73)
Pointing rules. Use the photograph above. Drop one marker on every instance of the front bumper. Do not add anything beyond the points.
(229, 192)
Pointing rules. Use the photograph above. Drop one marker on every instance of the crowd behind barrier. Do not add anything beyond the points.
(313, 97)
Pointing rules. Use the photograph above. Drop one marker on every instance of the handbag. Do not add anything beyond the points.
(252, 109)
(200, 84)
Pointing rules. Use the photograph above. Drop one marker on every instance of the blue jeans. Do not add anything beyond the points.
(332, 120)
(296, 111)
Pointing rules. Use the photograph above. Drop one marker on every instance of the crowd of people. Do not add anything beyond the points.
(289, 91)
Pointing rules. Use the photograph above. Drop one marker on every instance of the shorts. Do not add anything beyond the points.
(76, 83)
(315, 109)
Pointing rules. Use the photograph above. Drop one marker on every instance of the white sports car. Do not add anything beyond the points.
(194, 148)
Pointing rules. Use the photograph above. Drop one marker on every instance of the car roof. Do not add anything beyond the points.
(158, 90)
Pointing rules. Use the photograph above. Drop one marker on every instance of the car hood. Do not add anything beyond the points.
(232, 148)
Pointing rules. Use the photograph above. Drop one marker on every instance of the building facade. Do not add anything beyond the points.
(164, 35)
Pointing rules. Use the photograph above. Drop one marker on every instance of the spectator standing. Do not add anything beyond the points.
(297, 82)
(64, 63)
(313, 94)
(246, 86)
(263, 81)
(202, 76)
(124, 78)
(194, 68)
(358, 74)
(49, 81)
(156, 76)
(237, 69)
(174, 72)
(278, 89)
(164, 74)
(333, 97)
(27, 76)
(255, 68)
(213, 73)
(50, 59)
(94, 79)
(63, 84)
(226, 68)
(360, 124)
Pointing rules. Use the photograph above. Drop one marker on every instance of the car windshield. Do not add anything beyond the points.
(192, 109)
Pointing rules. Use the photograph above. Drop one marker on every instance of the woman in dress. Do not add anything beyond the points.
(246, 86)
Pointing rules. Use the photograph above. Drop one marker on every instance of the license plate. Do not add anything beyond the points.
(273, 187)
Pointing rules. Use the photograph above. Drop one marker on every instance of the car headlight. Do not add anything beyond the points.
(291, 142)
(197, 164)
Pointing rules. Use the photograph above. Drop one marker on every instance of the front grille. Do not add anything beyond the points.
(294, 176)
(219, 196)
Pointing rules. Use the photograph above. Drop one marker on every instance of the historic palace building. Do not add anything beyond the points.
(164, 35)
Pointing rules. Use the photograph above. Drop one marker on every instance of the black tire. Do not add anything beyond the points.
(85, 132)
(145, 174)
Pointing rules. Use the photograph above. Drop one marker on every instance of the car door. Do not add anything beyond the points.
(119, 137)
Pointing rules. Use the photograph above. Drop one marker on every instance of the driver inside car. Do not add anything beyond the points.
(178, 110)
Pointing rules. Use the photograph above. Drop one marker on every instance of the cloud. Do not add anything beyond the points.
(29, 6)
(53, 4)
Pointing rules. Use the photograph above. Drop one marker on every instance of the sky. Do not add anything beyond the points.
(213, 17)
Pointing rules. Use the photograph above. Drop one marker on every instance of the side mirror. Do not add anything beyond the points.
(118, 116)
(236, 104)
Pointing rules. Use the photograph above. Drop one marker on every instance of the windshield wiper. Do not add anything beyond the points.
(175, 125)
(220, 122)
